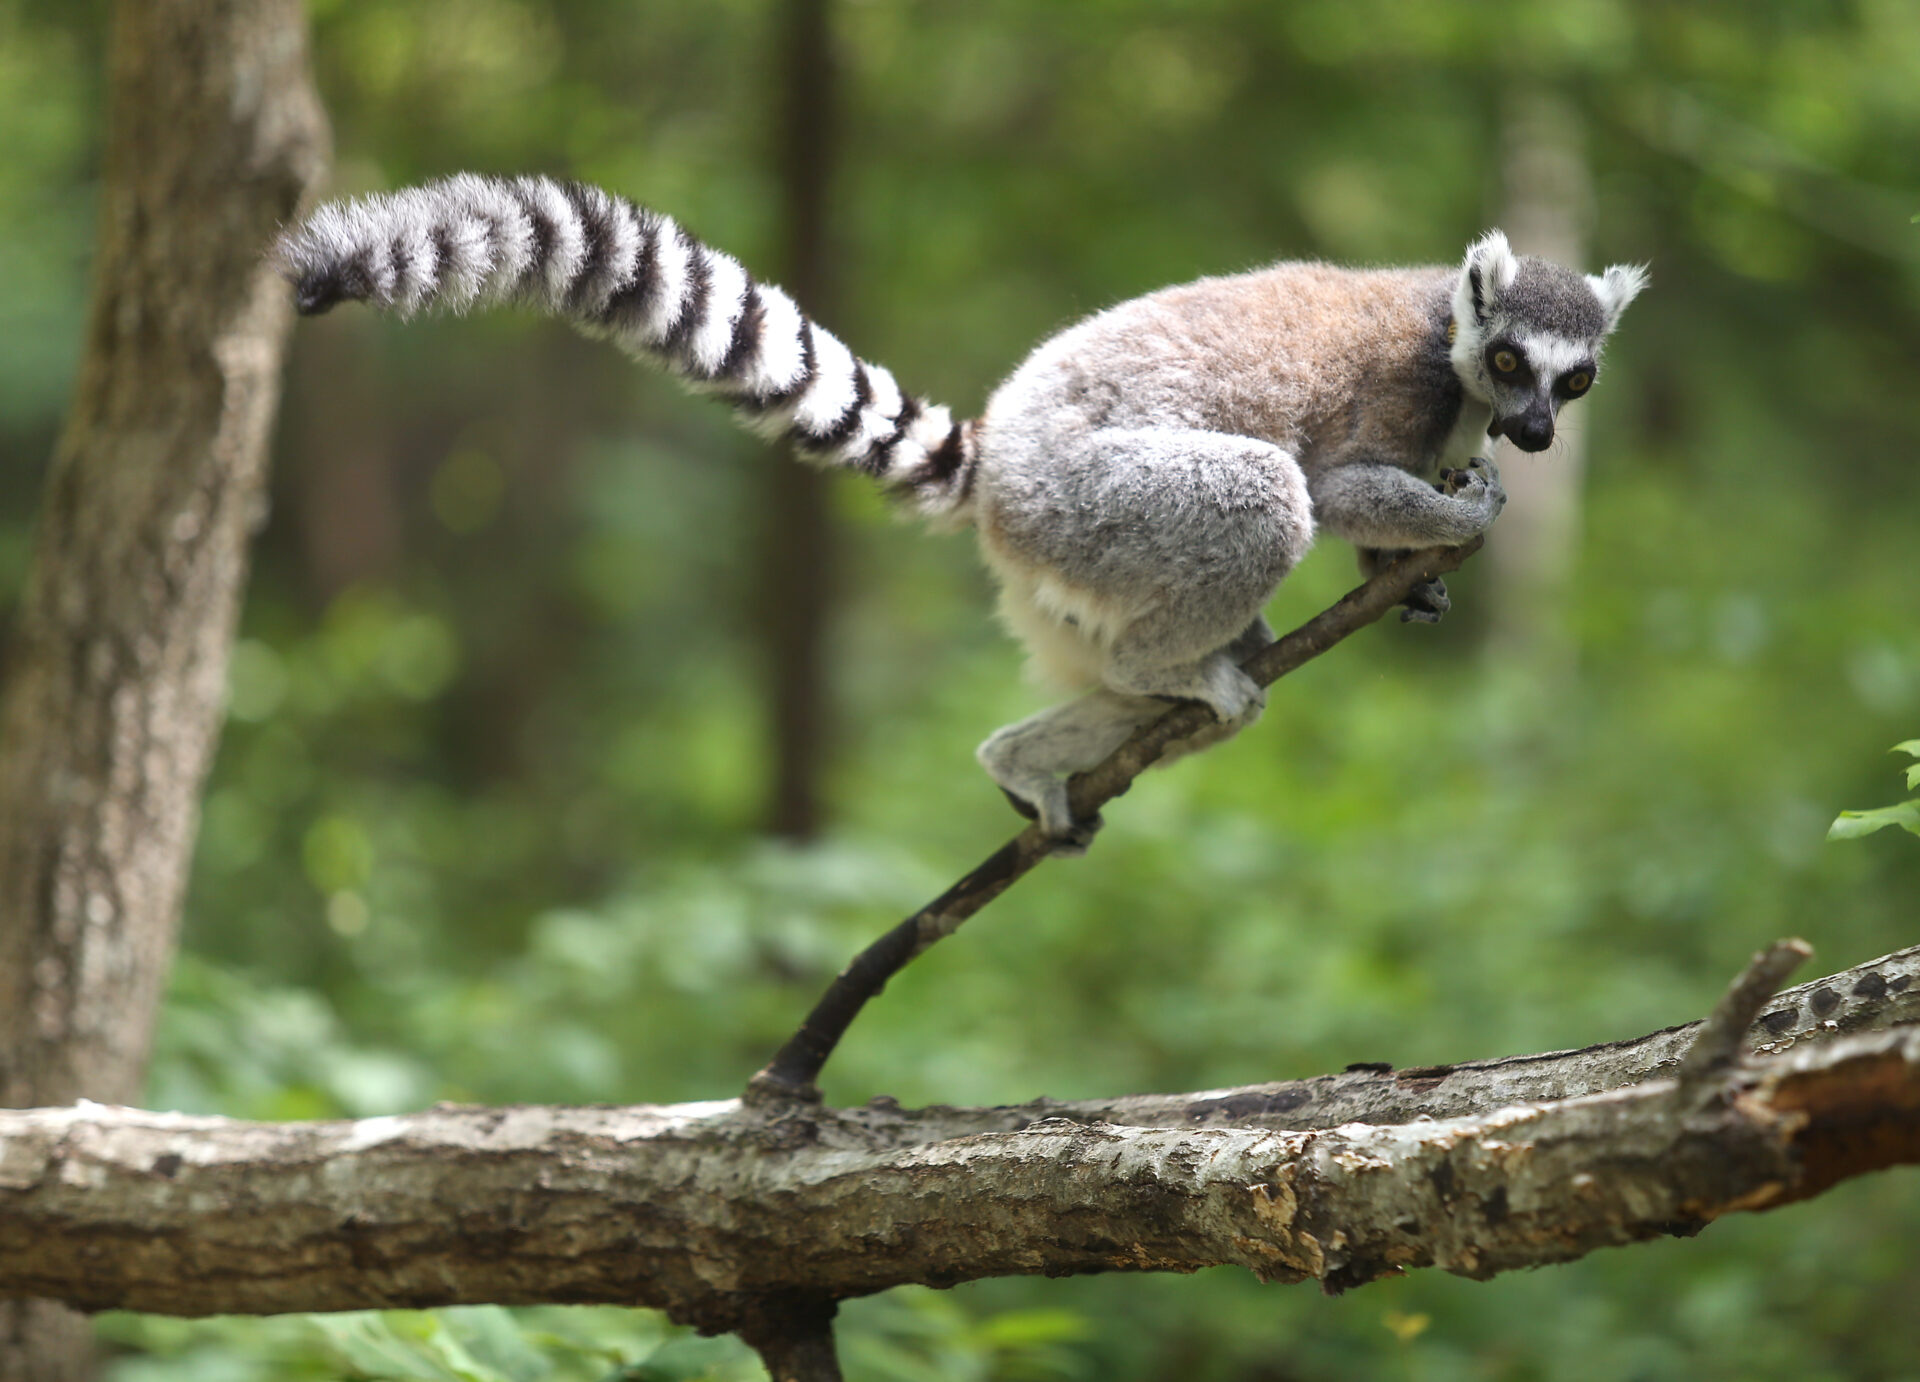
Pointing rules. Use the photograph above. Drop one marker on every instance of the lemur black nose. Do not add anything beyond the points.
(1531, 433)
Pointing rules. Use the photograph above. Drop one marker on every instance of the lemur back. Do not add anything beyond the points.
(1141, 483)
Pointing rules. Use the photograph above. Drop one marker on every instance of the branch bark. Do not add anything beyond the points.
(791, 1076)
(750, 1219)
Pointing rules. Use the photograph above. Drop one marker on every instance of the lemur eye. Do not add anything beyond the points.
(1579, 382)
(1505, 361)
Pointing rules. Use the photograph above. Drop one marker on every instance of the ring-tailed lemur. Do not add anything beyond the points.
(1140, 484)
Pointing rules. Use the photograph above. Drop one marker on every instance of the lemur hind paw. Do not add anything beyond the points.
(1426, 602)
(1068, 840)
(1074, 842)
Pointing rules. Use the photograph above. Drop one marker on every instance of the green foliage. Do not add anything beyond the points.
(472, 1344)
(483, 824)
(1851, 825)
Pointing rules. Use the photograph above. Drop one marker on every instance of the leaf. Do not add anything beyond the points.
(1028, 1328)
(1851, 825)
(1910, 747)
(366, 1344)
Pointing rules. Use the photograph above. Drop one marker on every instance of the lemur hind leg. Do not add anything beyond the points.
(1159, 545)
(1257, 636)
(1032, 759)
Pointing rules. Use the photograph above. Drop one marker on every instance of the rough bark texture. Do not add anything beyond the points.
(724, 1214)
(117, 664)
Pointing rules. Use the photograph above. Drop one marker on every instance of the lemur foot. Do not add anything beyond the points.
(1068, 840)
(1228, 692)
(1426, 602)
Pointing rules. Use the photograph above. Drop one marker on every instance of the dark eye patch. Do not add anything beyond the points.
(1521, 373)
(1565, 384)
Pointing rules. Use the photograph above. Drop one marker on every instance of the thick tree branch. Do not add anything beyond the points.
(791, 1075)
(756, 1219)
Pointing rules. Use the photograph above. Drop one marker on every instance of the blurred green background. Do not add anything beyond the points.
(486, 822)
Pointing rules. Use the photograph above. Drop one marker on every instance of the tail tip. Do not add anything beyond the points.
(313, 297)
(317, 291)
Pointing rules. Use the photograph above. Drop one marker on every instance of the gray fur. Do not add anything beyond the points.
(1141, 484)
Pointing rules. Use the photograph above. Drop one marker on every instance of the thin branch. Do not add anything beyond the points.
(1878, 995)
(1723, 1034)
(792, 1075)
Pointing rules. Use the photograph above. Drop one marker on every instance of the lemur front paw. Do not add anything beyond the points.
(1477, 485)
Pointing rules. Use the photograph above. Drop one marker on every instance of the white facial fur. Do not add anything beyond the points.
(1555, 320)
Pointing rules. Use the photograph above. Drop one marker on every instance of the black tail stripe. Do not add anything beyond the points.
(629, 305)
(544, 232)
(848, 422)
(693, 302)
(646, 274)
(746, 334)
(599, 240)
(356, 278)
(945, 458)
(442, 239)
(879, 459)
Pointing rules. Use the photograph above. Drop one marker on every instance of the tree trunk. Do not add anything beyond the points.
(117, 669)
(797, 567)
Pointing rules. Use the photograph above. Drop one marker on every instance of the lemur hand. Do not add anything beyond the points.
(1476, 485)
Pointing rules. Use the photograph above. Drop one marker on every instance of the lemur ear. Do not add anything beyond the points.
(1486, 273)
(1617, 287)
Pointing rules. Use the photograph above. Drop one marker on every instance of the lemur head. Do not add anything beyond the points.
(1526, 334)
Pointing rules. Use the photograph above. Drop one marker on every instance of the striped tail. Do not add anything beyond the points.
(633, 276)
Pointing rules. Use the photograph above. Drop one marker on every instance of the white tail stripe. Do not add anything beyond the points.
(832, 392)
(469, 257)
(780, 358)
(874, 427)
(670, 272)
(887, 399)
(566, 247)
(621, 256)
(726, 300)
(508, 232)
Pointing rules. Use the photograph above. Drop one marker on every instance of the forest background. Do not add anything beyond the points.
(490, 820)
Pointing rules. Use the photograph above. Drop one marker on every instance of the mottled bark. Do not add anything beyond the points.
(117, 665)
(737, 1218)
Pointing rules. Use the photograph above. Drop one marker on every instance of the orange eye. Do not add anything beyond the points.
(1579, 382)
(1506, 361)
